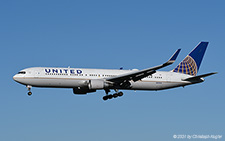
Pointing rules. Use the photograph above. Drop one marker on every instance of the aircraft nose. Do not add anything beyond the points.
(15, 77)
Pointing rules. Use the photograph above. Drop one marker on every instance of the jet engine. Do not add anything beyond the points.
(90, 86)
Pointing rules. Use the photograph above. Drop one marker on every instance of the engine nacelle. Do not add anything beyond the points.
(95, 84)
(89, 86)
(82, 91)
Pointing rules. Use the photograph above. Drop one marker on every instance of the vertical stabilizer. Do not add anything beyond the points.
(191, 63)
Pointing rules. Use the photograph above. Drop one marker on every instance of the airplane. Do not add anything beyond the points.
(84, 81)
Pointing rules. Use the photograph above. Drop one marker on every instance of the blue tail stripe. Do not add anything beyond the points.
(198, 53)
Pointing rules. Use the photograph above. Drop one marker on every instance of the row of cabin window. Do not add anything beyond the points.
(102, 75)
(108, 75)
(56, 74)
(90, 75)
(79, 74)
(158, 77)
(155, 77)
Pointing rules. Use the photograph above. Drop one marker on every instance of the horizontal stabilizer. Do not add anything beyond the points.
(199, 77)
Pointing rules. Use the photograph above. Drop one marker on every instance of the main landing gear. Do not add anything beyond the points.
(110, 96)
(29, 90)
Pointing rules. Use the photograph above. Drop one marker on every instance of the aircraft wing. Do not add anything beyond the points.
(140, 74)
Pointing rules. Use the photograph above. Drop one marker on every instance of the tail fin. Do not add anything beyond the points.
(190, 65)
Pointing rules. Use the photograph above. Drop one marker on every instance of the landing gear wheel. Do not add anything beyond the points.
(29, 93)
(29, 90)
(105, 98)
(110, 96)
(120, 94)
(115, 95)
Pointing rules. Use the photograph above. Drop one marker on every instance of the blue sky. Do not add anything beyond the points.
(109, 34)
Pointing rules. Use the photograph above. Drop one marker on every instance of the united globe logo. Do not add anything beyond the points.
(187, 66)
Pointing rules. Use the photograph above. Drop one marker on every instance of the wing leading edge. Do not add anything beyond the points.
(138, 75)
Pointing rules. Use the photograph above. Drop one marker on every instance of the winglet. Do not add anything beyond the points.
(174, 57)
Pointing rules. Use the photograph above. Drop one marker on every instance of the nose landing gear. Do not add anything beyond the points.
(29, 93)
(29, 90)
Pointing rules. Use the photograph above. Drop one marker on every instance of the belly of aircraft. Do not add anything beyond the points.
(60, 83)
(155, 85)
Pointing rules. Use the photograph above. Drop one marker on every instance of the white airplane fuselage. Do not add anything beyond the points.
(84, 81)
(77, 77)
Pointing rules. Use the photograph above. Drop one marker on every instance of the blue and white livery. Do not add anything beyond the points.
(190, 65)
(84, 81)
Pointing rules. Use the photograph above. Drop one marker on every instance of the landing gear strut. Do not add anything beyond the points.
(29, 90)
(110, 96)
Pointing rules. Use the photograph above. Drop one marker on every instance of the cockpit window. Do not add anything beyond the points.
(22, 72)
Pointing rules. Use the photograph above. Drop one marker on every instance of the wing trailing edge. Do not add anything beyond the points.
(138, 75)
